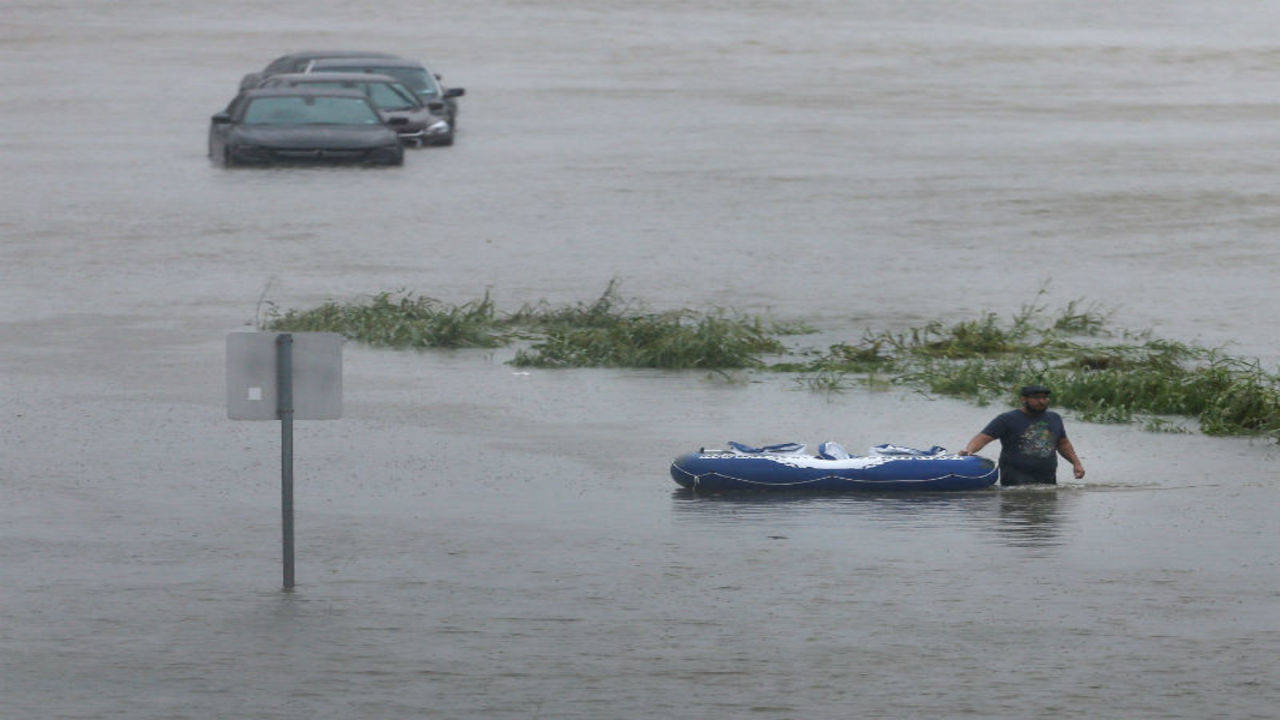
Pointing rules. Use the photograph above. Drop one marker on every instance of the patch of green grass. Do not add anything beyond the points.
(402, 320)
(1075, 320)
(866, 356)
(1138, 379)
(981, 380)
(608, 332)
(672, 340)
(982, 337)
(602, 312)
(986, 359)
(615, 332)
(1111, 383)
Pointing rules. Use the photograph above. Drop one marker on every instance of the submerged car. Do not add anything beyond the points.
(297, 124)
(298, 61)
(410, 72)
(422, 125)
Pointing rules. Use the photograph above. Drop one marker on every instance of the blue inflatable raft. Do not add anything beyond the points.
(788, 467)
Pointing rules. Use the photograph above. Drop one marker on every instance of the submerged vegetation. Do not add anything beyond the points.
(1103, 374)
(660, 340)
(609, 332)
(1141, 379)
(406, 321)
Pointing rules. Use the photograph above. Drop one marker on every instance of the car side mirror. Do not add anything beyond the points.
(455, 92)
(221, 119)
(435, 106)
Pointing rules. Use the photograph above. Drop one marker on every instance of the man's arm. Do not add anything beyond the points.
(978, 442)
(1066, 450)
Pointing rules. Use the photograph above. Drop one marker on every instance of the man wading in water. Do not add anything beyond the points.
(1031, 438)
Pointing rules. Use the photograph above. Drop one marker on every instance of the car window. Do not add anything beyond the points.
(389, 96)
(385, 96)
(296, 110)
(417, 79)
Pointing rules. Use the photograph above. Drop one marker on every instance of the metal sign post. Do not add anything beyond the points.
(285, 377)
(284, 408)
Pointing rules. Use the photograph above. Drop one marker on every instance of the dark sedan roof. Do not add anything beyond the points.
(367, 61)
(323, 77)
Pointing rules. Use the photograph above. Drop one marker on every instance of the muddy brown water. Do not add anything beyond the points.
(478, 541)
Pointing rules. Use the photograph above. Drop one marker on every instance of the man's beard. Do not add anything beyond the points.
(1032, 411)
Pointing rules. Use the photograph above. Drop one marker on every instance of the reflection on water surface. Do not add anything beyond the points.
(1030, 517)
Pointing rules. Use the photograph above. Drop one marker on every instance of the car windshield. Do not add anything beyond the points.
(306, 110)
(391, 96)
(418, 79)
(385, 95)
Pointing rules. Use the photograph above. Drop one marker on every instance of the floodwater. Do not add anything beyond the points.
(480, 542)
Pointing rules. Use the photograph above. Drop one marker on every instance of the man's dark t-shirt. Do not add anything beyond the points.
(1028, 446)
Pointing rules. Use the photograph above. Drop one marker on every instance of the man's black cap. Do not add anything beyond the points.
(1028, 390)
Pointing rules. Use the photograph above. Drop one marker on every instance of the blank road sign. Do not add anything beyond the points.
(252, 375)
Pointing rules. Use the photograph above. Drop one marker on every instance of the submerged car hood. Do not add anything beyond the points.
(316, 136)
